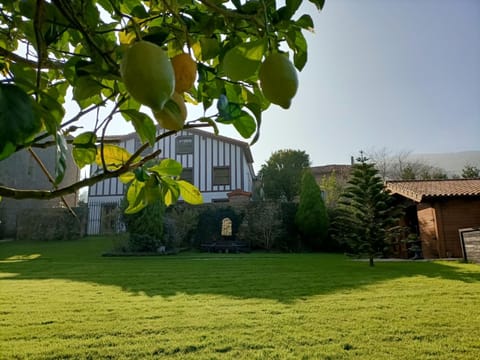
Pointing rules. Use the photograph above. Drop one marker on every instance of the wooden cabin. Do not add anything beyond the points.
(437, 209)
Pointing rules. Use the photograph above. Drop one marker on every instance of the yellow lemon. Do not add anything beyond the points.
(185, 69)
(278, 79)
(173, 114)
(148, 74)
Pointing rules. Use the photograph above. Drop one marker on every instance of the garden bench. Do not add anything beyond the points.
(226, 246)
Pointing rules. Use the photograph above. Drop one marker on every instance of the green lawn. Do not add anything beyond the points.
(62, 300)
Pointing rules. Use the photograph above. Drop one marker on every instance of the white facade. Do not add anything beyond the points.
(217, 165)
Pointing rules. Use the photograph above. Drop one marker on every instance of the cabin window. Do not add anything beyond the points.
(184, 145)
(187, 175)
(221, 175)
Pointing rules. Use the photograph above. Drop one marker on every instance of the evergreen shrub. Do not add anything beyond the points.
(312, 217)
(145, 228)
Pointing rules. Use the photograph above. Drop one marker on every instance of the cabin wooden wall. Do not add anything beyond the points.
(427, 229)
(439, 222)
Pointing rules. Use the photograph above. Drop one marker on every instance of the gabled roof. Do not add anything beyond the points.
(327, 170)
(242, 144)
(419, 190)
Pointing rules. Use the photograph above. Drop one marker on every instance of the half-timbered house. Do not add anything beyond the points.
(217, 165)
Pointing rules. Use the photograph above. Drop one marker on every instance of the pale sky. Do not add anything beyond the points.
(399, 74)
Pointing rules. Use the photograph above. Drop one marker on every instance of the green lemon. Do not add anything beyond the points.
(173, 114)
(278, 79)
(148, 74)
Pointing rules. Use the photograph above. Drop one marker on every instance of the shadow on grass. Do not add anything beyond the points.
(281, 277)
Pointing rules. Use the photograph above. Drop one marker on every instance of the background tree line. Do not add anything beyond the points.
(294, 211)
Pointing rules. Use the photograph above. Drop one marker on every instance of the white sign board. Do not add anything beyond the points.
(470, 241)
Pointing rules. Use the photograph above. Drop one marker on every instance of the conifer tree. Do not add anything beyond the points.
(311, 217)
(367, 213)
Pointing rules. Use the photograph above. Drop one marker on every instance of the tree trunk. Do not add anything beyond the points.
(371, 261)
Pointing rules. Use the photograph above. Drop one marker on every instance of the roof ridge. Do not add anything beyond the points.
(419, 189)
(431, 180)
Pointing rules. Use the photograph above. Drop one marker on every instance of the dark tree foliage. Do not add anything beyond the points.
(145, 227)
(312, 217)
(210, 224)
(282, 172)
(470, 172)
(262, 226)
(366, 213)
(290, 241)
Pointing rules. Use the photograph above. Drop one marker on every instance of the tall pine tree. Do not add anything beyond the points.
(367, 213)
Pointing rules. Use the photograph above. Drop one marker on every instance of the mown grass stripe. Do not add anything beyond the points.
(70, 302)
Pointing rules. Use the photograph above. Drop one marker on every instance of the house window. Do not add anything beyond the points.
(187, 175)
(221, 175)
(184, 145)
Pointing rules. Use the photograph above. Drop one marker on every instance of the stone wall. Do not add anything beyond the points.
(51, 224)
(21, 171)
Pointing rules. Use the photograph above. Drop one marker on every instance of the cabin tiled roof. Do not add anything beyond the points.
(418, 190)
(342, 172)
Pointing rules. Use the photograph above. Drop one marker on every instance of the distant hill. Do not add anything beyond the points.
(452, 163)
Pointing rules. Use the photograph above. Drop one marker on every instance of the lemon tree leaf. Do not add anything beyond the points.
(167, 167)
(190, 193)
(293, 5)
(318, 3)
(256, 110)
(157, 37)
(141, 174)
(50, 107)
(6, 149)
(126, 37)
(130, 104)
(115, 156)
(170, 190)
(152, 190)
(243, 61)
(18, 123)
(287, 11)
(233, 92)
(143, 125)
(85, 88)
(206, 48)
(296, 41)
(136, 197)
(127, 177)
(84, 149)
(245, 124)
(61, 158)
(305, 22)
(228, 111)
